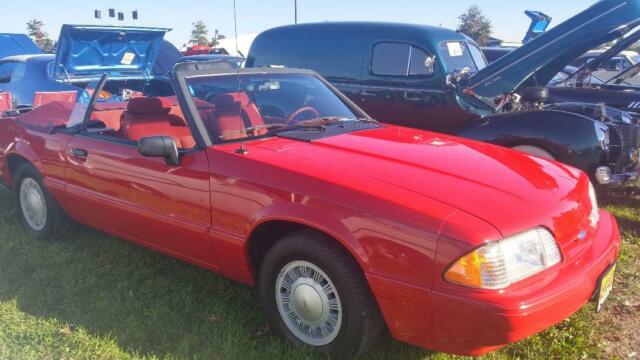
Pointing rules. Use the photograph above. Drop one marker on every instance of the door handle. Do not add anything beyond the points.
(79, 153)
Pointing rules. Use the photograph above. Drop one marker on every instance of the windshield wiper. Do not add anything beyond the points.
(284, 126)
(329, 120)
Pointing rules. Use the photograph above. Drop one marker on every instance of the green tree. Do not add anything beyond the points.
(41, 38)
(474, 24)
(199, 34)
(216, 36)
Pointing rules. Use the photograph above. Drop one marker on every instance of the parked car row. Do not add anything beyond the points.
(355, 195)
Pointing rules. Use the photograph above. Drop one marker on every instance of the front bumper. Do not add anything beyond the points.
(474, 322)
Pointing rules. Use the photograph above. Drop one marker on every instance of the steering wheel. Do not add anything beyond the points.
(302, 110)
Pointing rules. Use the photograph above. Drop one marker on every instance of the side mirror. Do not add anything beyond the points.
(450, 81)
(429, 64)
(160, 146)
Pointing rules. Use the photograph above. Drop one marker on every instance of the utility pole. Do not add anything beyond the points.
(295, 10)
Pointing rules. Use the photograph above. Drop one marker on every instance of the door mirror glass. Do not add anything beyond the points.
(160, 146)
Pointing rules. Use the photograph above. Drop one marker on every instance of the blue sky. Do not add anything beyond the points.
(254, 16)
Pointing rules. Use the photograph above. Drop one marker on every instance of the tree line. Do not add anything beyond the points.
(472, 22)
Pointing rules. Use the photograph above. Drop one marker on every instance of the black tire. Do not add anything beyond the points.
(535, 94)
(362, 322)
(55, 221)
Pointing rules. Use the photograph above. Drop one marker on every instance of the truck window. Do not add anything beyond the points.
(9, 71)
(420, 63)
(397, 59)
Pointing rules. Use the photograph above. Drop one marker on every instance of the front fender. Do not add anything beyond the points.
(570, 137)
(316, 218)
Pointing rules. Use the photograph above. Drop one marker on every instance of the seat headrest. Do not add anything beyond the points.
(149, 105)
(230, 103)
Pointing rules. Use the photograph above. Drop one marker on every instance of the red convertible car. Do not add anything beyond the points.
(272, 177)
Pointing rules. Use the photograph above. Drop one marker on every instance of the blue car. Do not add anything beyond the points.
(17, 44)
(83, 52)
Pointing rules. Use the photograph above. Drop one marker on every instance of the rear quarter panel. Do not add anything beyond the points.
(44, 151)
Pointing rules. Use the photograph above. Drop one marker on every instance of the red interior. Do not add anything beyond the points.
(47, 97)
(49, 115)
(232, 113)
(110, 114)
(5, 101)
(152, 116)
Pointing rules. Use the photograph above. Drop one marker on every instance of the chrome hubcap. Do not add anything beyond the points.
(33, 204)
(308, 303)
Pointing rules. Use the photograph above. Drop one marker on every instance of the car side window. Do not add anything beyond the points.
(398, 59)
(8, 71)
(420, 64)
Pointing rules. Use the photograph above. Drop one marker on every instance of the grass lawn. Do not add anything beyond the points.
(95, 296)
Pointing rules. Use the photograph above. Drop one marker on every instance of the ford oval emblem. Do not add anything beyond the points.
(582, 235)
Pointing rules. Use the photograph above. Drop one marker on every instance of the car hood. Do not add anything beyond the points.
(17, 44)
(512, 191)
(88, 50)
(543, 57)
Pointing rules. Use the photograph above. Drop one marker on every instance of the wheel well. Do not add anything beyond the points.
(533, 143)
(267, 234)
(13, 162)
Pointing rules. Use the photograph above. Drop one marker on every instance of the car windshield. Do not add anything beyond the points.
(251, 105)
(459, 55)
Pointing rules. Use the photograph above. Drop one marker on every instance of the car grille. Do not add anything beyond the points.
(624, 139)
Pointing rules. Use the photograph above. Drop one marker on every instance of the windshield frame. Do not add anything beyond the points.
(182, 72)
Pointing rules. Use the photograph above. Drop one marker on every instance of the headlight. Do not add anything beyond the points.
(499, 264)
(602, 133)
(594, 215)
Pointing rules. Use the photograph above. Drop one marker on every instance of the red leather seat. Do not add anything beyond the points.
(5, 101)
(41, 98)
(233, 113)
(110, 114)
(150, 116)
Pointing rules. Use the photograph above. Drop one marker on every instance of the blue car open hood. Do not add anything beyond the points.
(539, 24)
(542, 58)
(17, 44)
(89, 50)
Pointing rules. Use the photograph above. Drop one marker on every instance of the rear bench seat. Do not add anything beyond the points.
(110, 114)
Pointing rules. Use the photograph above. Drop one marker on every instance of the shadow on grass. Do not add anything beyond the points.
(626, 209)
(149, 304)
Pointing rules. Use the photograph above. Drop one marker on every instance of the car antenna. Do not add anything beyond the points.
(241, 150)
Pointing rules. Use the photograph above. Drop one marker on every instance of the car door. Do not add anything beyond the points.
(400, 86)
(143, 199)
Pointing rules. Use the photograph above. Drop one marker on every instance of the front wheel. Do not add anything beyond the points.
(315, 295)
